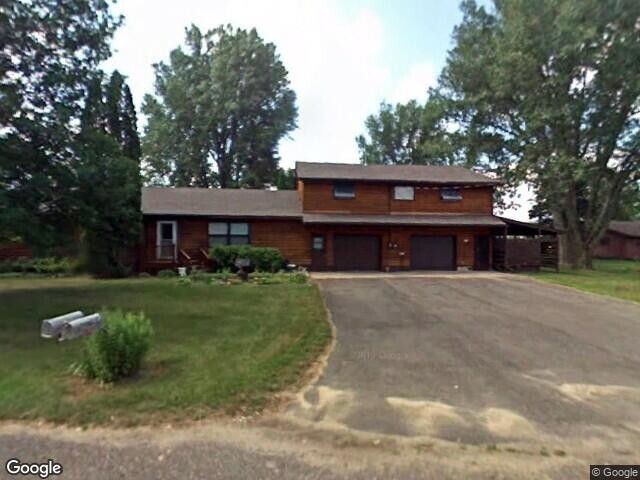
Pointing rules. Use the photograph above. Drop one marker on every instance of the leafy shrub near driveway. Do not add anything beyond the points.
(117, 349)
(264, 259)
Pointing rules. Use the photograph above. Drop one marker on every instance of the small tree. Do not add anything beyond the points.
(109, 198)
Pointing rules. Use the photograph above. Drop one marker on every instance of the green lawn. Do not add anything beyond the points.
(616, 278)
(216, 348)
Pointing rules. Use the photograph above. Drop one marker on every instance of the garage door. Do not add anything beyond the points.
(356, 252)
(433, 253)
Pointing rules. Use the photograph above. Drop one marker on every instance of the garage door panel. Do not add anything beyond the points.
(433, 252)
(356, 252)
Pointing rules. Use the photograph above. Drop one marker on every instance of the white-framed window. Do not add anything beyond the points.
(344, 190)
(228, 233)
(166, 239)
(403, 192)
(450, 194)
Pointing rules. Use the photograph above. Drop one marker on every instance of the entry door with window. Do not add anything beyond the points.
(166, 240)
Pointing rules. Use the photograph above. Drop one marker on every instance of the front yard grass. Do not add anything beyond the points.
(615, 278)
(216, 348)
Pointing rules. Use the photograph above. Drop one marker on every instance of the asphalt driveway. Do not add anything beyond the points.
(487, 359)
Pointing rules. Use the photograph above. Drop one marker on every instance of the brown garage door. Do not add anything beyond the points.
(356, 252)
(433, 253)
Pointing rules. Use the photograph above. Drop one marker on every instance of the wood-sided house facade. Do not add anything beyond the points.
(340, 217)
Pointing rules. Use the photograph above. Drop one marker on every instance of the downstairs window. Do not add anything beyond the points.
(228, 233)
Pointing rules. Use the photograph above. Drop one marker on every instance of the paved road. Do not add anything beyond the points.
(480, 360)
(440, 377)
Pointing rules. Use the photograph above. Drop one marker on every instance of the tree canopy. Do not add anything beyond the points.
(50, 51)
(547, 93)
(220, 108)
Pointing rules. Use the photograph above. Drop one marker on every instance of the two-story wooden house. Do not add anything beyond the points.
(340, 217)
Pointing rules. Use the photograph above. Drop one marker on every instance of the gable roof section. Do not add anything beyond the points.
(221, 202)
(434, 174)
(629, 229)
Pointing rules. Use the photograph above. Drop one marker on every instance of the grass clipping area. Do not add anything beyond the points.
(615, 278)
(216, 348)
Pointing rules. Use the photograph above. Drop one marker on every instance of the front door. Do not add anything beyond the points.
(481, 252)
(166, 240)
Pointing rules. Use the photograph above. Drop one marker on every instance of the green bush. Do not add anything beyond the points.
(263, 259)
(167, 273)
(117, 349)
(43, 265)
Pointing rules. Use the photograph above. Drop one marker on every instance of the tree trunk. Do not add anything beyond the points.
(588, 262)
(573, 247)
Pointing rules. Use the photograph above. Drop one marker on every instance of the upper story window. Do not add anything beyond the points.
(403, 193)
(344, 190)
(226, 233)
(450, 195)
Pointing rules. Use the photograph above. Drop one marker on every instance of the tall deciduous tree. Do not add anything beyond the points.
(549, 91)
(49, 49)
(221, 107)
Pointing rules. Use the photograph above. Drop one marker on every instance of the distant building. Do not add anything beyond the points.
(622, 240)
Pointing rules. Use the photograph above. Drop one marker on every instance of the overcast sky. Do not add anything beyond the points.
(343, 57)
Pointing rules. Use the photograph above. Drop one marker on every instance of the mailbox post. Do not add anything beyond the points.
(243, 265)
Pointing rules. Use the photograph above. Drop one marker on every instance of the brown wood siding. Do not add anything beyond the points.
(293, 239)
(288, 236)
(377, 198)
(427, 200)
(370, 198)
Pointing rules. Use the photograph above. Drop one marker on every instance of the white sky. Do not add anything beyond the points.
(335, 58)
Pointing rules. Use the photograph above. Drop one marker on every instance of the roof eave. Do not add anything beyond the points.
(224, 215)
(482, 183)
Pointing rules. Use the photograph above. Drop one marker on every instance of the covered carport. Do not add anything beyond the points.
(521, 246)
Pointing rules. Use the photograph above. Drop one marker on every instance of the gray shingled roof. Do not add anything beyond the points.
(223, 202)
(392, 173)
(431, 220)
(630, 229)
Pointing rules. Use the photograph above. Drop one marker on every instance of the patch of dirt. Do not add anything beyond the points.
(507, 424)
(426, 417)
(588, 392)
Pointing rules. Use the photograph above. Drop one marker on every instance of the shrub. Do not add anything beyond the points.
(167, 273)
(42, 265)
(116, 350)
(263, 259)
